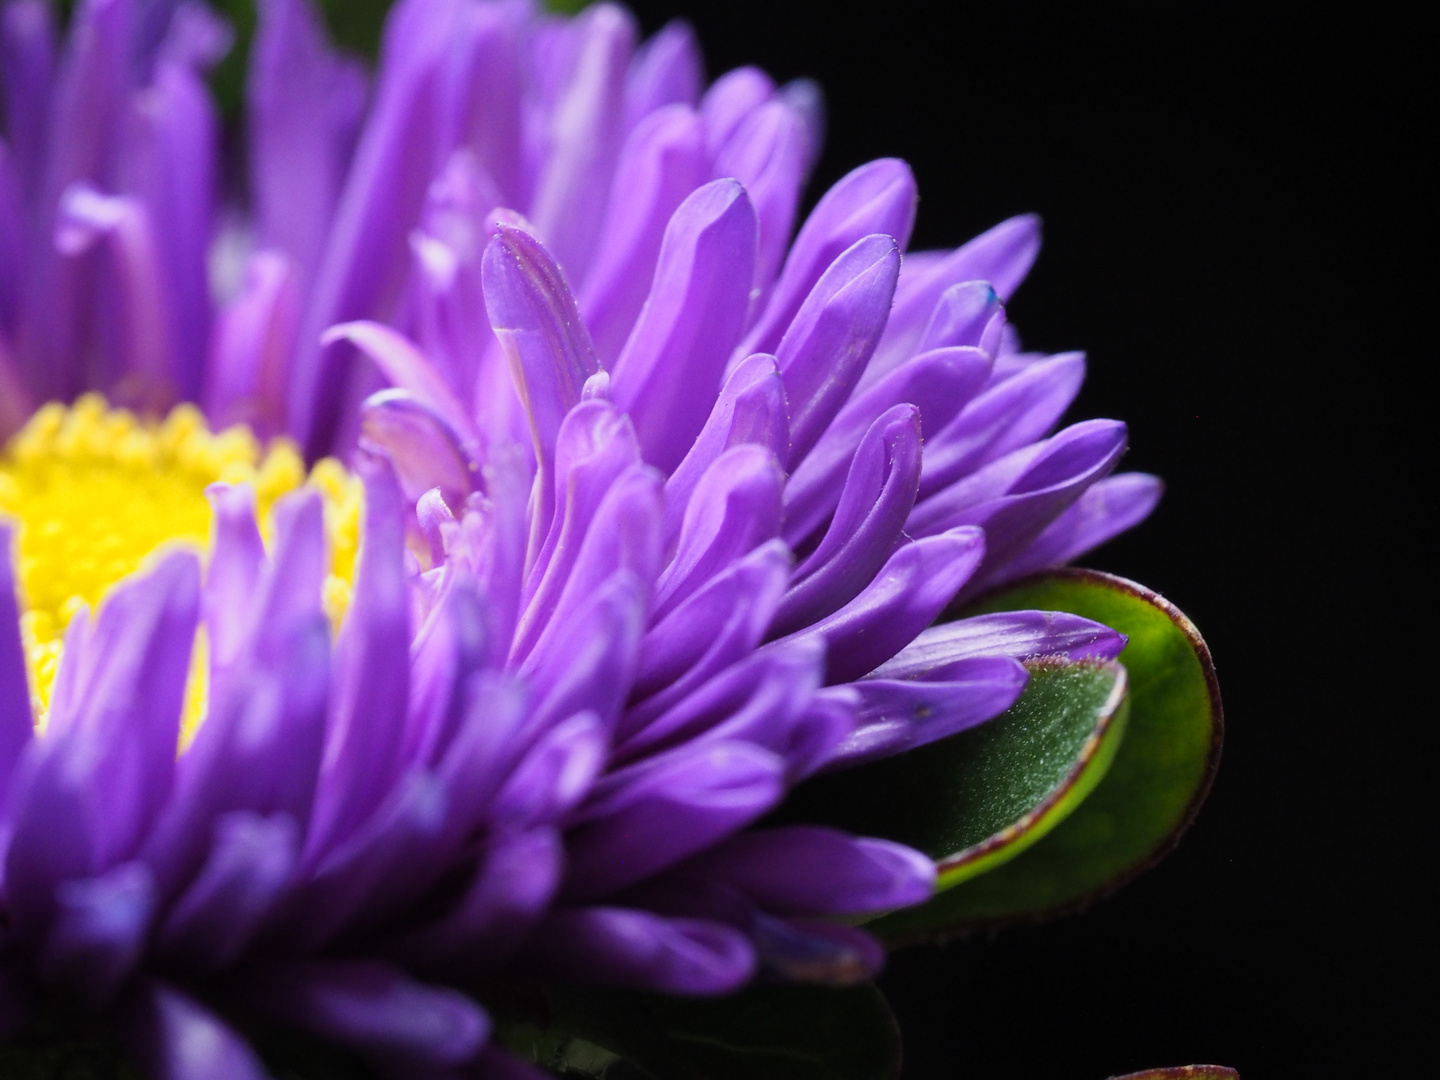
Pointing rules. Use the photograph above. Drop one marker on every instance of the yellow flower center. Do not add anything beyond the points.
(95, 491)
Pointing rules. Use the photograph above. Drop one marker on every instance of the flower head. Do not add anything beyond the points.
(659, 508)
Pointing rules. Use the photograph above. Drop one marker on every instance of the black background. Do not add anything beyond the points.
(1233, 227)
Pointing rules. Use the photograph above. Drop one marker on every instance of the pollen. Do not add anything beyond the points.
(96, 491)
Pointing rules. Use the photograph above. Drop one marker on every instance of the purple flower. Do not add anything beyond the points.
(659, 508)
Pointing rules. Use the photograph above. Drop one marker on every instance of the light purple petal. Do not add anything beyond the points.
(237, 557)
(643, 819)
(619, 947)
(535, 319)
(756, 700)
(1107, 509)
(670, 370)
(371, 674)
(1005, 417)
(666, 70)
(407, 368)
(1019, 635)
(304, 106)
(735, 509)
(1002, 256)
(251, 345)
(583, 138)
(827, 346)
(662, 161)
(425, 451)
(709, 631)
(939, 382)
(915, 585)
(878, 495)
(555, 775)
(963, 315)
(486, 92)
(751, 408)
(898, 716)
(878, 197)
(730, 99)
(769, 153)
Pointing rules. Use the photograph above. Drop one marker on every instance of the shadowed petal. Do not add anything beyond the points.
(1020, 635)
(176, 1039)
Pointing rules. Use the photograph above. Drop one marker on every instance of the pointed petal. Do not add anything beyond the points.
(177, 1039)
(16, 726)
(1019, 635)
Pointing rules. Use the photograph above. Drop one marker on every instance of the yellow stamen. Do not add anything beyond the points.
(96, 491)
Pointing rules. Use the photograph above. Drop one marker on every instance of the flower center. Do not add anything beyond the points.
(95, 491)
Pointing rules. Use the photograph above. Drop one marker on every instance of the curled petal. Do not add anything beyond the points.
(424, 450)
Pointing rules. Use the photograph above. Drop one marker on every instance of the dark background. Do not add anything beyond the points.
(1233, 222)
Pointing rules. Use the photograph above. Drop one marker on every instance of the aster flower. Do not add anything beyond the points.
(659, 507)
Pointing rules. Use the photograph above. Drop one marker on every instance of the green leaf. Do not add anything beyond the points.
(1152, 790)
(762, 1033)
(1183, 1072)
(980, 797)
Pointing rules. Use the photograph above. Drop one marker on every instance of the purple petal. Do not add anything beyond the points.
(84, 796)
(583, 138)
(169, 165)
(1107, 509)
(963, 315)
(751, 408)
(425, 451)
(512, 886)
(823, 953)
(16, 726)
(362, 265)
(878, 197)
(729, 101)
(915, 585)
(1020, 635)
(177, 1039)
(246, 873)
(666, 70)
(804, 870)
(373, 1009)
(878, 495)
(555, 775)
(643, 819)
(939, 382)
(535, 319)
(138, 339)
(594, 446)
(620, 947)
(448, 649)
(304, 105)
(250, 349)
(670, 369)
(898, 716)
(1005, 417)
(27, 63)
(237, 557)
(407, 368)
(99, 931)
(1015, 498)
(709, 631)
(769, 153)
(1002, 256)
(735, 509)
(662, 161)
(589, 660)
(486, 93)
(830, 341)
(756, 700)
(371, 674)
(14, 239)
